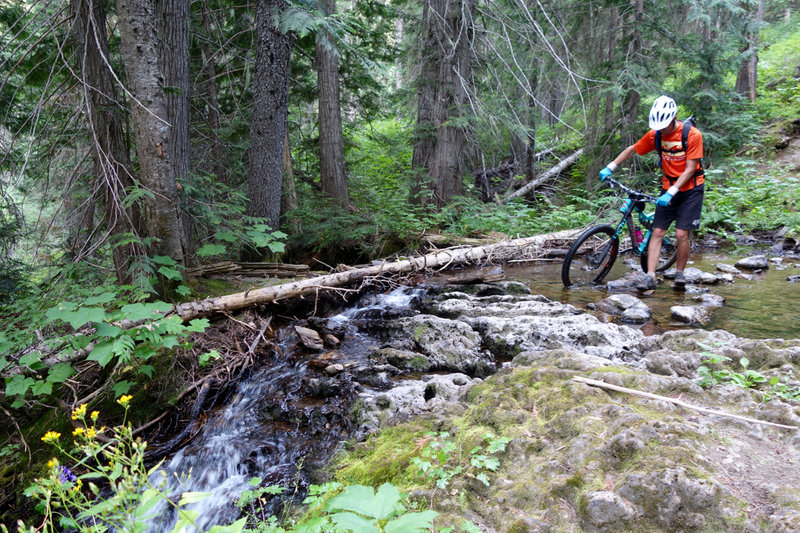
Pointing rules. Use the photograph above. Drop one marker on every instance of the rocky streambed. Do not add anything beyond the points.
(494, 359)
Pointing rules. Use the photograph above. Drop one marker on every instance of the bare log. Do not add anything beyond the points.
(530, 246)
(550, 174)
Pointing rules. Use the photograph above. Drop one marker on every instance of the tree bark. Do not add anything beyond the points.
(747, 79)
(209, 85)
(138, 33)
(331, 140)
(173, 28)
(112, 164)
(445, 73)
(289, 195)
(270, 108)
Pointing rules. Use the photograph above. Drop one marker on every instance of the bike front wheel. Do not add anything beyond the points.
(590, 257)
(667, 257)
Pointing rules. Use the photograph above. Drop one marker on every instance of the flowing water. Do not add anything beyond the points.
(767, 306)
(273, 429)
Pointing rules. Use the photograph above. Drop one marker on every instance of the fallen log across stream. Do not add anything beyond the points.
(529, 247)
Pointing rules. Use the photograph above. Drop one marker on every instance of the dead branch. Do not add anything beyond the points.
(542, 178)
(604, 385)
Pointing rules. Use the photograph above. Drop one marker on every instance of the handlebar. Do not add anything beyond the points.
(633, 194)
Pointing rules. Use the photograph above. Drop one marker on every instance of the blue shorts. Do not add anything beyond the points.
(684, 209)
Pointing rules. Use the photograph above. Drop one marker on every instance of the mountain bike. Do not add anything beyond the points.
(592, 255)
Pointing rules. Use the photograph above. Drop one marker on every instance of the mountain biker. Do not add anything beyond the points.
(681, 198)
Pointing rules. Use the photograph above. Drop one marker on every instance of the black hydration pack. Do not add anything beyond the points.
(687, 125)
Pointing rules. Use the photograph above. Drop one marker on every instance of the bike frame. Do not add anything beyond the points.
(633, 204)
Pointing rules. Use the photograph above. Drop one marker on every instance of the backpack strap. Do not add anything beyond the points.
(687, 126)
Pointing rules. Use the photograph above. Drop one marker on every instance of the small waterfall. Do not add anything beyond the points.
(268, 428)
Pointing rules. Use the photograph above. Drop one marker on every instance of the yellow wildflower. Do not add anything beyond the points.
(124, 400)
(79, 412)
(94, 415)
(90, 433)
(78, 431)
(51, 436)
(52, 462)
(77, 486)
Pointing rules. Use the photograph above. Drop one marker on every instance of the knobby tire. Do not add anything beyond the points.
(583, 264)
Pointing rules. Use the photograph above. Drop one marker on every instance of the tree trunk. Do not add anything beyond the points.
(270, 108)
(173, 19)
(289, 196)
(139, 35)
(112, 165)
(632, 99)
(212, 104)
(331, 140)
(444, 77)
(746, 81)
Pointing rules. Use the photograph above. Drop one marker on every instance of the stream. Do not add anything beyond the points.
(288, 417)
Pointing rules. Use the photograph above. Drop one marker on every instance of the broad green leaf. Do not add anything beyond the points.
(211, 249)
(42, 388)
(353, 522)
(121, 387)
(192, 497)
(139, 311)
(30, 359)
(57, 312)
(254, 481)
(104, 329)
(198, 325)
(227, 236)
(170, 273)
(363, 500)
(59, 372)
(101, 299)
(18, 385)
(412, 522)
(147, 370)
(103, 352)
(276, 247)
(85, 315)
(183, 290)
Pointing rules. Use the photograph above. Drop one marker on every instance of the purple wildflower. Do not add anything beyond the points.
(65, 475)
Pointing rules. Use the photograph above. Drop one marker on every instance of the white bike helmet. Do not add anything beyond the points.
(663, 111)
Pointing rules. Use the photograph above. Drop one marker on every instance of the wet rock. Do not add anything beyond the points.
(711, 300)
(309, 338)
(690, 314)
(404, 359)
(446, 344)
(631, 281)
(695, 275)
(728, 269)
(606, 511)
(626, 306)
(334, 369)
(793, 279)
(776, 260)
(514, 287)
(331, 341)
(673, 498)
(754, 262)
